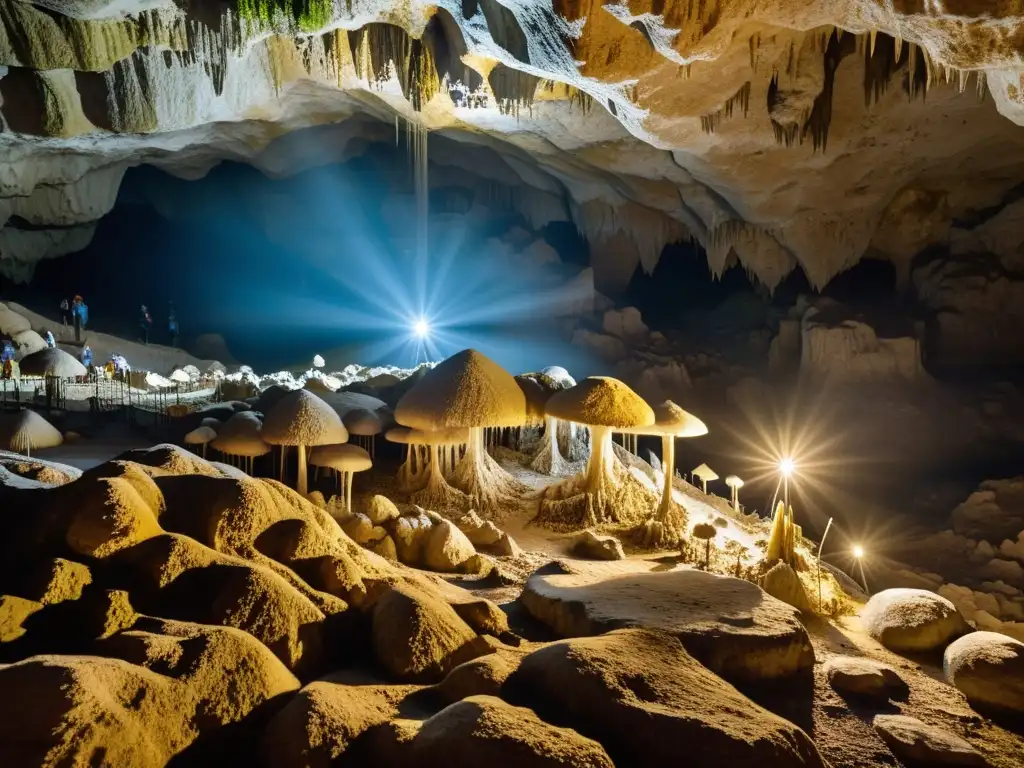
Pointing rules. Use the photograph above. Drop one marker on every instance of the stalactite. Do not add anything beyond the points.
(709, 123)
(512, 89)
(380, 51)
(820, 117)
(785, 133)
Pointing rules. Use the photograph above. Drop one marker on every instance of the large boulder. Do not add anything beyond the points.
(730, 625)
(151, 693)
(446, 548)
(381, 509)
(480, 677)
(419, 637)
(322, 720)
(989, 669)
(652, 704)
(486, 732)
(916, 743)
(410, 533)
(912, 620)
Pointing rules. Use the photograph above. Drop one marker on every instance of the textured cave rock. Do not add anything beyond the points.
(775, 135)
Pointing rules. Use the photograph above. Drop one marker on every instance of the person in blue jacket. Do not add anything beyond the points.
(79, 315)
(8, 351)
(50, 341)
(87, 356)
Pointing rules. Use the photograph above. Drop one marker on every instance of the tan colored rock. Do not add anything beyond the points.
(480, 677)
(359, 528)
(162, 690)
(409, 533)
(418, 637)
(649, 701)
(783, 583)
(381, 509)
(446, 548)
(917, 743)
(322, 720)
(728, 624)
(596, 547)
(486, 731)
(863, 677)
(385, 547)
(989, 669)
(912, 620)
(56, 580)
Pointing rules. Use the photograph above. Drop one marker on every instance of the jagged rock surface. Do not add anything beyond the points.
(821, 101)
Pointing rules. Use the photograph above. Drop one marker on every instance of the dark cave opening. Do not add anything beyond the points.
(869, 280)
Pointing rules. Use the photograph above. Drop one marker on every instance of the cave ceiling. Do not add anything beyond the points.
(775, 133)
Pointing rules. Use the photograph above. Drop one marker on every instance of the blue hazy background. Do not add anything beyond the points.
(287, 268)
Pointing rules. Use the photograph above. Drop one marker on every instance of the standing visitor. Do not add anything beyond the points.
(145, 323)
(65, 315)
(79, 315)
(7, 359)
(87, 356)
(50, 341)
(172, 325)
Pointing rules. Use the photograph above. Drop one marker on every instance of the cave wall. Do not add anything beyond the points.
(795, 135)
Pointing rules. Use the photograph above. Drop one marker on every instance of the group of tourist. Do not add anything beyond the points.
(76, 314)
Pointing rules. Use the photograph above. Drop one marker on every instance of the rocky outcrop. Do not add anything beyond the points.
(834, 344)
(730, 625)
(639, 116)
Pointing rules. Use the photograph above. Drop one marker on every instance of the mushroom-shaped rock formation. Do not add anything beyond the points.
(467, 391)
(670, 422)
(364, 424)
(412, 467)
(302, 419)
(600, 493)
(705, 474)
(539, 388)
(270, 397)
(705, 532)
(346, 460)
(52, 362)
(734, 484)
(200, 436)
(27, 431)
(178, 376)
(242, 447)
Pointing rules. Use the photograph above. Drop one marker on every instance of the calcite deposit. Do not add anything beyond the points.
(775, 134)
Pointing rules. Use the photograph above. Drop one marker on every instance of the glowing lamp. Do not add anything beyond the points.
(858, 551)
(421, 328)
(786, 467)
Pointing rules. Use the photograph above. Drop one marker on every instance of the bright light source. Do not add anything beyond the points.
(786, 467)
(421, 328)
(858, 551)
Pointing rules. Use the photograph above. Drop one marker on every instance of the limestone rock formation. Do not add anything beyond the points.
(640, 117)
(649, 701)
(920, 744)
(730, 625)
(989, 669)
(912, 620)
(863, 677)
